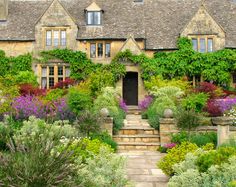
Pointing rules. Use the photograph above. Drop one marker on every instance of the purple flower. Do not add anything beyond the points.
(144, 104)
(225, 104)
(123, 105)
(169, 145)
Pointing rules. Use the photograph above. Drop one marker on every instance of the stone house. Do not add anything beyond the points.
(102, 28)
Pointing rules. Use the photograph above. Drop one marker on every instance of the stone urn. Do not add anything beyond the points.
(104, 112)
(168, 113)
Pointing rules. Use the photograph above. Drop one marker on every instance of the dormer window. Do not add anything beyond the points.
(94, 18)
(202, 44)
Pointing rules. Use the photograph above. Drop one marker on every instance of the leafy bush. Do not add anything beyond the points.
(55, 94)
(156, 110)
(166, 147)
(174, 156)
(195, 102)
(88, 123)
(214, 157)
(201, 139)
(158, 81)
(106, 138)
(105, 169)
(180, 137)
(78, 101)
(172, 92)
(212, 90)
(188, 175)
(109, 99)
(64, 84)
(28, 89)
(213, 108)
(26, 77)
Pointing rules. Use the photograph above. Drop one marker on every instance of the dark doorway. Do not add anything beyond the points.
(130, 88)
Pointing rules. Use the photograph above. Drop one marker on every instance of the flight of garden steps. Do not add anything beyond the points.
(137, 133)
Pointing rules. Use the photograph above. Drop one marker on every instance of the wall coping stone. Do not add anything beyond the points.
(223, 121)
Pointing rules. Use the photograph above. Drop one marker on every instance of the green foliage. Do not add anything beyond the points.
(88, 123)
(99, 80)
(117, 69)
(106, 138)
(187, 174)
(26, 77)
(187, 119)
(172, 92)
(105, 169)
(200, 139)
(195, 102)
(80, 65)
(54, 94)
(159, 82)
(174, 156)
(78, 101)
(214, 157)
(109, 99)
(156, 110)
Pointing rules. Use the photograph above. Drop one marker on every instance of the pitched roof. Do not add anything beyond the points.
(160, 22)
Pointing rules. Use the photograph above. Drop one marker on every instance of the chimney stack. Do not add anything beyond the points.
(3, 10)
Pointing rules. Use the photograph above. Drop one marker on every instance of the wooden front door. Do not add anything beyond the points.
(130, 88)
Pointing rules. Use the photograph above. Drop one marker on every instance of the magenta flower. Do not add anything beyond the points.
(144, 104)
(123, 105)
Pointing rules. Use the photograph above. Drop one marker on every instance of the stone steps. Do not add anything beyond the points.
(138, 130)
(138, 146)
(146, 138)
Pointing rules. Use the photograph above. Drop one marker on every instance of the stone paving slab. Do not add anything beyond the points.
(142, 170)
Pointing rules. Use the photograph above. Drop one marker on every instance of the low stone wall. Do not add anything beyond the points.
(222, 126)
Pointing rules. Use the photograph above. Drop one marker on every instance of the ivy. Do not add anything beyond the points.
(215, 66)
(13, 65)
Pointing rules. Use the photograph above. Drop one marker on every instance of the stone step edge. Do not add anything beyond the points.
(137, 128)
(137, 144)
(137, 136)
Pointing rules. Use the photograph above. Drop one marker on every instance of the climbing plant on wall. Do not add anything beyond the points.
(13, 65)
(216, 66)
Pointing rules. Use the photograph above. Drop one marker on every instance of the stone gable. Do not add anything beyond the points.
(203, 23)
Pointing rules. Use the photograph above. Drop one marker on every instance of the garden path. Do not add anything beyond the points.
(141, 168)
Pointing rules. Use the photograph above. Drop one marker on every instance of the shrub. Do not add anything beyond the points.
(26, 77)
(195, 102)
(174, 156)
(166, 147)
(213, 108)
(105, 169)
(172, 92)
(28, 89)
(88, 123)
(109, 99)
(212, 90)
(214, 157)
(64, 84)
(106, 138)
(157, 81)
(78, 101)
(201, 139)
(28, 162)
(156, 110)
(187, 119)
(180, 137)
(55, 94)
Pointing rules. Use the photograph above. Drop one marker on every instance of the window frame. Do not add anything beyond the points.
(55, 74)
(93, 18)
(96, 44)
(206, 38)
(52, 30)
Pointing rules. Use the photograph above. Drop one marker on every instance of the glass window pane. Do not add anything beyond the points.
(100, 50)
(108, 50)
(44, 72)
(92, 50)
(60, 70)
(51, 70)
(51, 82)
(210, 45)
(48, 38)
(63, 38)
(195, 45)
(56, 38)
(44, 83)
(97, 18)
(90, 18)
(202, 45)
(67, 72)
